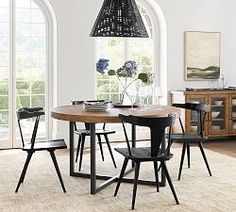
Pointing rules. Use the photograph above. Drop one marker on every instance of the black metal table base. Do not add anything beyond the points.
(93, 176)
(110, 180)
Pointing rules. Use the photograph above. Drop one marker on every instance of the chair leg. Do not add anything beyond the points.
(182, 160)
(121, 175)
(81, 152)
(188, 153)
(169, 181)
(136, 174)
(156, 174)
(78, 146)
(57, 169)
(204, 157)
(22, 177)
(110, 150)
(100, 145)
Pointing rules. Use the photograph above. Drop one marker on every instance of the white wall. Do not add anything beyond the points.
(201, 15)
(76, 50)
(76, 56)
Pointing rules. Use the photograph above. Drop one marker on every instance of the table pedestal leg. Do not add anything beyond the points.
(71, 130)
(92, 158)
(133, 138)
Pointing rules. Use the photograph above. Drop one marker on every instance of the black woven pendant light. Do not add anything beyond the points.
(119, 18)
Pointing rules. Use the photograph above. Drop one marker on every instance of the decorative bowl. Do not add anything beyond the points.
(214, 114)
(234, 126)
(234, 114)
(233, 101)
(195, 102)
(218, 102)
(193, 128)
(216, 127)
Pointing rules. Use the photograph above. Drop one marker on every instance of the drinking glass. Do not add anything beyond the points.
(157, 95)
(132, 97)
(142, 96)
(147, 93)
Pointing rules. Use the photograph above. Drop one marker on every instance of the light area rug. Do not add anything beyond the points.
(41, 191)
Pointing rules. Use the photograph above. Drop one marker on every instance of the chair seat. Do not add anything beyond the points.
(46, 145)
(187, 137)
(142, 154)
(97, 131)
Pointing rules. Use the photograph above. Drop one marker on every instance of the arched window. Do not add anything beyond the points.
(24, 63)
(119, 50)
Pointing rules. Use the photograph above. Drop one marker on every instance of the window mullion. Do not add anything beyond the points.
(126, 48)
(12, 79)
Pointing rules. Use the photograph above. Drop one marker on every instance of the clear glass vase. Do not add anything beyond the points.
(125, 99)
(128, 91)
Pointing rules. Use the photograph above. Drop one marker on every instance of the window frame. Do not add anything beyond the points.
(50, 67)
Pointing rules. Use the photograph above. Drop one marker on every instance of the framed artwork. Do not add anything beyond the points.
(202, 55)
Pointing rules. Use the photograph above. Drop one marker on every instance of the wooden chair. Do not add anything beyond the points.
(158, 152)
(187, 138)
(34, 146)
(82, 133)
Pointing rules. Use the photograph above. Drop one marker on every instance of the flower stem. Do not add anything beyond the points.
(126, 86)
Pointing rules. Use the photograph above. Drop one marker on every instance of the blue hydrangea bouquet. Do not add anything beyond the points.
(127, 74)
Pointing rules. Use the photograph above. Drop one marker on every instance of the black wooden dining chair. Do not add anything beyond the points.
(158, 152)
(82, 133)
(34, 146)
(187, 138)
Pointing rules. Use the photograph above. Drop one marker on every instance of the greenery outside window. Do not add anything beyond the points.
(23, 64)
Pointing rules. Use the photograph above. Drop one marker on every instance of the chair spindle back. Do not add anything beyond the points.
(157, 128)
(29, 113)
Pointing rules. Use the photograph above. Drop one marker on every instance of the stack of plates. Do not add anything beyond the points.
(95, 106)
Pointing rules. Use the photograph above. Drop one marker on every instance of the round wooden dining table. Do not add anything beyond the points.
(77, 113)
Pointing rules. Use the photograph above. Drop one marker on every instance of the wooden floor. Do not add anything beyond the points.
(227, 147)
(223, 146)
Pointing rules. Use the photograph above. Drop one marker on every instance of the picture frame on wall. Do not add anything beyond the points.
(202, 55)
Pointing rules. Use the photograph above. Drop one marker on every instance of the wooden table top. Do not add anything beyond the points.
(78, 114)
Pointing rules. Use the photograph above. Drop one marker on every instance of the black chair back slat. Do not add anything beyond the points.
(126, 138)
(33, 138)
(169, 141)
(21, 134)
(190, 106)
(157, 128)
(23, 114)
(181, 125)
(29, 113)
(202, 110)
(31, 109)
